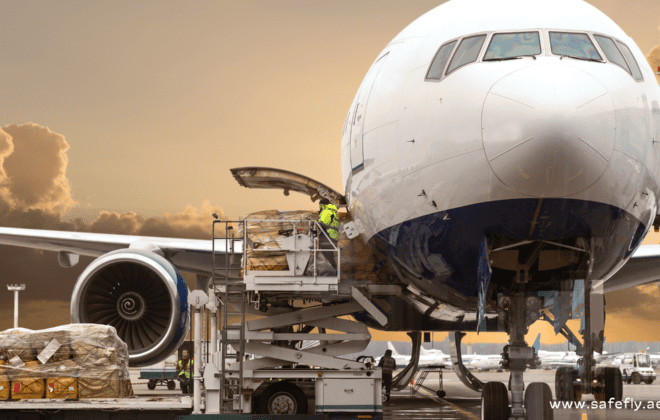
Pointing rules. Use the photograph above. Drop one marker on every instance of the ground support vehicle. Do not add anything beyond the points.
(636, 368)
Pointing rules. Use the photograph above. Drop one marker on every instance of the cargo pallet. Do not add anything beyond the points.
(161, 408)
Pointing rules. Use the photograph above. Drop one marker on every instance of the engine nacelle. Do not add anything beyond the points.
(139, 293)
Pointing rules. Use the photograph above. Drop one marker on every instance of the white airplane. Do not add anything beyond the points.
(497, 152)
(426, 357)
(487, 362)
(554, 360)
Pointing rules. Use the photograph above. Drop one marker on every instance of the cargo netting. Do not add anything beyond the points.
(71, 361)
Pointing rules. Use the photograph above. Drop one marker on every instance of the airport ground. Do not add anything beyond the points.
(462, 403)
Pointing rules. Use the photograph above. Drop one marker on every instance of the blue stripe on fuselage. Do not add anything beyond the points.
(443, 248)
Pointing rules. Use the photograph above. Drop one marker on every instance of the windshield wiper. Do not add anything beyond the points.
(517, 57)
(582, 58)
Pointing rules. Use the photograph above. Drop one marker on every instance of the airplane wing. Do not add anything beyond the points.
(191, 255)
(642, 268)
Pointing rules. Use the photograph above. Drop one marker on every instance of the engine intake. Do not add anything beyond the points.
(139, 293)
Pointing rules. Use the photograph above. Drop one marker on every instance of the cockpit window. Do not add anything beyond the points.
(637, 73)
(440, 60)
(467, 52)
(504, 46)
(612, 52)
(573, 45)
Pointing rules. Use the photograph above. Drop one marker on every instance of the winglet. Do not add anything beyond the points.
(537, 343)
(390, 346)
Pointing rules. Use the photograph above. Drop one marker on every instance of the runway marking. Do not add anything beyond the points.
(453, 406)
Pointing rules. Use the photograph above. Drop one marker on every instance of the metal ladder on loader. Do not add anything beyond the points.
(232, 289)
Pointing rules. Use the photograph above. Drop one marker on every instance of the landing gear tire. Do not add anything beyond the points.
(441, 394)
(564, 384)
(614, 384)
(537, 402)
(494, 401)
(151, 385)
(282, 398)
(171, 385)
(577, 394)
(636, 379)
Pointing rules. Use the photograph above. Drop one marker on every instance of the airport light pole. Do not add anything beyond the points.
(15, 288)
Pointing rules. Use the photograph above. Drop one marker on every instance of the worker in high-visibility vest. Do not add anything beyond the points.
(184, 370)
(388, 364)
(329, 221)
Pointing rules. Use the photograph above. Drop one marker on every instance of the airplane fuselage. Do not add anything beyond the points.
(444, 164)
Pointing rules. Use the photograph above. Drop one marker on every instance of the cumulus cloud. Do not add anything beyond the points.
(34, 161)
(34, 194)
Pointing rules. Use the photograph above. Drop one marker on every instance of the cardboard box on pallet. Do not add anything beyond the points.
(27, 386)
(62, 388)
(104, 383)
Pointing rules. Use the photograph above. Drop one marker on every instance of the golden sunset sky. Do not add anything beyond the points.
(128, 116)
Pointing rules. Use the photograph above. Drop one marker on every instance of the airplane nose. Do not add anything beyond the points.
(548, 130)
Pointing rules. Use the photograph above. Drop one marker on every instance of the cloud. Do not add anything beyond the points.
(34, 162)
(34, 194)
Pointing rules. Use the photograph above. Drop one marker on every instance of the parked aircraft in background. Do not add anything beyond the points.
(487, 362)
(426, 357)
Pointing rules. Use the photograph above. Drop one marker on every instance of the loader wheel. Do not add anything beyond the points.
(282, 398)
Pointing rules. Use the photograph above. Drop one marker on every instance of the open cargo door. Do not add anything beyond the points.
(252, 177)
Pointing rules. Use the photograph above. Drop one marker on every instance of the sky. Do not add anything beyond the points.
(125, 117)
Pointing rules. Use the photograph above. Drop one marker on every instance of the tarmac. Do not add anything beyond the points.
(462, 403)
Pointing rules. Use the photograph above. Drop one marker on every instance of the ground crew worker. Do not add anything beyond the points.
(329, 221)
(388, 364)
(184, 369)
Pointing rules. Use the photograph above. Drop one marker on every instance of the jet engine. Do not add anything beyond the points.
(139, 293)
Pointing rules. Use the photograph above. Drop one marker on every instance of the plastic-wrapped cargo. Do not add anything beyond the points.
(265, 230)
(78, 360)
(16, 343)
(358, 261)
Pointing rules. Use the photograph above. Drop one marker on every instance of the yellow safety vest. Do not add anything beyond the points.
(185, 371)
(329, 220)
